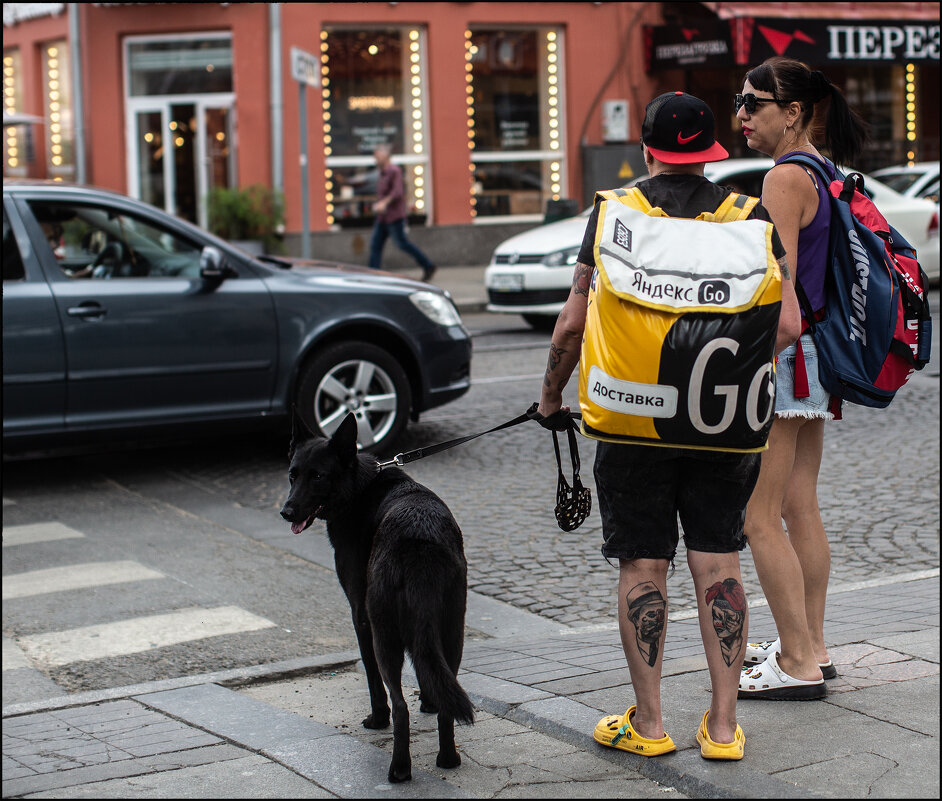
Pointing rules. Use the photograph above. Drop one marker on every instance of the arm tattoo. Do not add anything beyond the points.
(729, 617)
(555, 357)
(581, 279)
(783, 266)
(647, 612)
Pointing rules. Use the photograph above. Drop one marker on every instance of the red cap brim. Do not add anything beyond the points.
(714, 153)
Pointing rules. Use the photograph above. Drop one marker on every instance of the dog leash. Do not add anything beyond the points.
(401, 459)
(573, 502)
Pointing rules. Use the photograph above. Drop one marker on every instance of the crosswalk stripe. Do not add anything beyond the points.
(135, 635)
(13, 657)
(74, 577)
(37, 532)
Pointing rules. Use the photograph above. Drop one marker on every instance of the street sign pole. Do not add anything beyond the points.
(305, 217)
(305, 69)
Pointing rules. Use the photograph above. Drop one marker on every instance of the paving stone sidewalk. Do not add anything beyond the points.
(292, 730)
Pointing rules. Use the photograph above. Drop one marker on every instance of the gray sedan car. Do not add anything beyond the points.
(121, 319)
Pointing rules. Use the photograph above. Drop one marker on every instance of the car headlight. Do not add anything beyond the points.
(562, 258)
(437, 308)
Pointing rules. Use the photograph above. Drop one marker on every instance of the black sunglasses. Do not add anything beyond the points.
(750, 101)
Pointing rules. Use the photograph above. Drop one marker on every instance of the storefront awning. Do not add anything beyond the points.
(844, 11)
(749, 33)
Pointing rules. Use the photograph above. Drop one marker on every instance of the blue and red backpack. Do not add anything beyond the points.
(875, 329)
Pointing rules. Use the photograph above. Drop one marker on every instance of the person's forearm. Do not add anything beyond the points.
(566, 344)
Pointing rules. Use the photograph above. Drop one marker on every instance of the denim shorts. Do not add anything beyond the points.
(786, 404)
(642, 489)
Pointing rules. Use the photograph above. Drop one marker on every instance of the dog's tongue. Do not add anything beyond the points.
(297, 528)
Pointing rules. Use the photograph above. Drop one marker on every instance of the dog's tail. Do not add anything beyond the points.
(439, 684)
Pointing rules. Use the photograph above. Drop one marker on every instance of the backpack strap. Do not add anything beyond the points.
(632, 197)
(735, 207)
(805, 160)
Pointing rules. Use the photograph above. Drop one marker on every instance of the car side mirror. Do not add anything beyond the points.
(213, 265)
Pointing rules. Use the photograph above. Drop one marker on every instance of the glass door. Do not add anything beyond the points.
(149, 128)
(216, 154)
(181, 151)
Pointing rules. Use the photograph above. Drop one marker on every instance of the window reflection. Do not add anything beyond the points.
(373, 94)
(514, 125)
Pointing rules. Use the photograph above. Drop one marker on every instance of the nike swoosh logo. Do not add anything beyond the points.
(682, 140)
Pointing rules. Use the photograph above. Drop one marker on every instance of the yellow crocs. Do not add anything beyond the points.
(713, 750)
(616, 732)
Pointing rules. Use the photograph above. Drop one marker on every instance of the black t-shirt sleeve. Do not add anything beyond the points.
(587, 251)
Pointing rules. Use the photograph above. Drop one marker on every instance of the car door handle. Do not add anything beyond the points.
(89, 310)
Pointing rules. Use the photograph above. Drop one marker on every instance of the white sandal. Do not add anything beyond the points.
(758, 652)
(769, 682)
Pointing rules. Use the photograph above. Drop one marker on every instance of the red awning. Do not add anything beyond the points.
(848, 11)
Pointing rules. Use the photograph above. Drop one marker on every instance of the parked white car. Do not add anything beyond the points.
(919, 180)
(531, 273)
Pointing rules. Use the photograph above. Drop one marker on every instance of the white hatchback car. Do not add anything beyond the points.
(919, 180)
(531, 273)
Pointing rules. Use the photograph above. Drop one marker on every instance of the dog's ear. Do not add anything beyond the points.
(300, 432)
(344, 439)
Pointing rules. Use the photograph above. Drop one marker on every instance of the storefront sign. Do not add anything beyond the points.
(751, 40)
(369, 137)
(821, 41)
(700, 45)
(514, 135)
(370, 102)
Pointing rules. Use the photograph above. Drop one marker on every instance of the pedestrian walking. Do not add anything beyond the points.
(642, 489)
(390, 210)
(777, 109)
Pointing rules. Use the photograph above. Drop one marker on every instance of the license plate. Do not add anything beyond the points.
(507, 282)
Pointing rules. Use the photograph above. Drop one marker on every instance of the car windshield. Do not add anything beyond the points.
(900, 181)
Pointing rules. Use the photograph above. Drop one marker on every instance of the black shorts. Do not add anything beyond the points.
(641, 489)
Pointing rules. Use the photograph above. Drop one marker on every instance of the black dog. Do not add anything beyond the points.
(400, 560)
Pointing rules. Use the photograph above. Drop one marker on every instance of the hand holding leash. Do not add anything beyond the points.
(560, 420)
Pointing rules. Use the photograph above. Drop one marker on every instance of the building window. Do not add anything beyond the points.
(515, 124)
(373, 94)
(17, 136)
(57, 86)
(201, 65)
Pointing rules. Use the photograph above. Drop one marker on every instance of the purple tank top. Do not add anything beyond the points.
(813, 242)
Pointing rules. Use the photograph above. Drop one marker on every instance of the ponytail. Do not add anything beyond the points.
(845, 132)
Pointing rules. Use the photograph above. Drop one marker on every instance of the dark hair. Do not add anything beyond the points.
(845, 132)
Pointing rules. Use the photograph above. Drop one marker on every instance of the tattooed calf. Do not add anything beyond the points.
(729, 616)
(646, 611)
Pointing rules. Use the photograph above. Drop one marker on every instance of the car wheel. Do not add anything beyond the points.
(360, 378)
(541, 322)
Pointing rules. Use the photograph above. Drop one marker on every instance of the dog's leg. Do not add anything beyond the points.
(448, 756)
(379, 714)
(390, 654)
(426, 706)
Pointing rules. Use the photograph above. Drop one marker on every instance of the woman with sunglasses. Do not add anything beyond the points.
(778, 110)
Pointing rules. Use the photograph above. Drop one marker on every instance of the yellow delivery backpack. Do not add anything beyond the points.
(680, 332)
